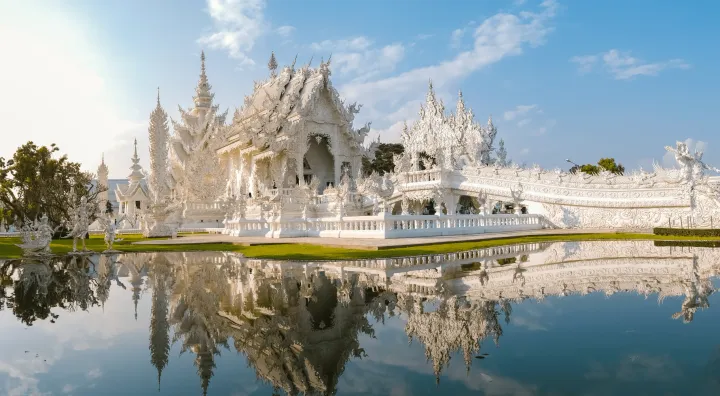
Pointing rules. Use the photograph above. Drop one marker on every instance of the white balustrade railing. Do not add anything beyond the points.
(423, 176)
(383, 226)
(204, 206)
(280, 191)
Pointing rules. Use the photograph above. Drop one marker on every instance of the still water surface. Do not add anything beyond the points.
(576, 318)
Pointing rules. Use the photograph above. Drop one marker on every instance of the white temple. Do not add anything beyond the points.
(133, 198)
(289, 165)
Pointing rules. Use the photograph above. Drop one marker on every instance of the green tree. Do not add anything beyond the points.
(590, 169)
(108, 207)
(383, 161)
(607, 164)
(501, 155)
(35, 182)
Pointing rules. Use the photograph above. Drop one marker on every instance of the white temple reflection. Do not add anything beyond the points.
(299, 323)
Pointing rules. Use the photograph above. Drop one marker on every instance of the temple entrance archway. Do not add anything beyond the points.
(319, 162)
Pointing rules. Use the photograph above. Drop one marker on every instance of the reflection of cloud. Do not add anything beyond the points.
(648, 368)
(46, 341)
(68, 388)
(94, 373)
(528, 323)
(638, 368)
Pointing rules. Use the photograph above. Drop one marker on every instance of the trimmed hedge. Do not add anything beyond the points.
(698, 232)
(709, 244)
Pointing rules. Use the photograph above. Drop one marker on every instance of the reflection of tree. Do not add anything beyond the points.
(5, 282)
(43, 285)
(161, 281)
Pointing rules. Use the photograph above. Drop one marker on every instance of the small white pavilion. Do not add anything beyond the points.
(134, 196)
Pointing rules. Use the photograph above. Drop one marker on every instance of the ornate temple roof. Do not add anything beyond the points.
(282, 100)
(447, 137)
(136, 181)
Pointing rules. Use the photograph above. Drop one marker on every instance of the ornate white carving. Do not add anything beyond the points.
(159, 136)
(36, 237)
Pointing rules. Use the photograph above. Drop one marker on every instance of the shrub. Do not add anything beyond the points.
(705, 232)
(709, 244)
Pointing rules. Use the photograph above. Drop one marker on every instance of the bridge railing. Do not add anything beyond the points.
(383, 226)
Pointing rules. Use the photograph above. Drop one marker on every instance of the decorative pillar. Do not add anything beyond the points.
(405, 205)
(253, 176)
(300, 165)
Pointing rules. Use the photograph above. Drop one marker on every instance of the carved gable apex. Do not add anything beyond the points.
(323, 110)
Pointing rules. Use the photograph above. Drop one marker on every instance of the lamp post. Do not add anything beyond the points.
(568, 160)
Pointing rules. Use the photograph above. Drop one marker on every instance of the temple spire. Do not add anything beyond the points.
(158, 96)
(203, 96)
(137, 173)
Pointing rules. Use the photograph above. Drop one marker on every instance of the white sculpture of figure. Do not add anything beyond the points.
(36, 237)
(692, 168)
(517, 198)
(482, 202)
(110, 229)
(405, 205)
(81, 221)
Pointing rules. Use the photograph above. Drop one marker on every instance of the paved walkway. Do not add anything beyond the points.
(367, 244)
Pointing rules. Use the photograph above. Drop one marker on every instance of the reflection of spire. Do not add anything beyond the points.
(159, 324)
(205, 364)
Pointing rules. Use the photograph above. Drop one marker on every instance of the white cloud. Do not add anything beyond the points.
(237, 25)
(456, 38)
(499, 36)
(518, 111)
(357, 57)
(523, 122)
(285, 31)
(60, 91)
(623, 66)
(585, 63)
(424, 36)
(524, 151)
(360, 43)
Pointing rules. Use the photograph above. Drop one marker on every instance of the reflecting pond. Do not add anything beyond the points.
(569, 318)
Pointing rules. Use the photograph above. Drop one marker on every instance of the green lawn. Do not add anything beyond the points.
(315, 252)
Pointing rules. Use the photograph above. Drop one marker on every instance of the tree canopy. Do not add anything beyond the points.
(36, 182)
(383, 161)
(607, 164)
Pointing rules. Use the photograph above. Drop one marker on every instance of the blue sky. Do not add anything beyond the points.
(561, 79)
